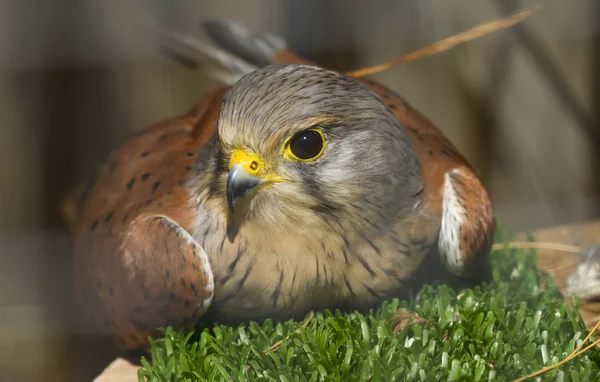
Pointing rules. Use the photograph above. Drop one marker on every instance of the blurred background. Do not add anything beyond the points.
(77, 78)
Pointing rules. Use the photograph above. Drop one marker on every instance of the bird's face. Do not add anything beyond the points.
(300, 144)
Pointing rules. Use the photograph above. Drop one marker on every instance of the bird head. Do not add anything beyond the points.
(301, 144)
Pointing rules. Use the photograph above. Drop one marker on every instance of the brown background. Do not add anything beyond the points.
(76, 79)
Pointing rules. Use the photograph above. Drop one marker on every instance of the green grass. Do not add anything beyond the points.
(508, 328)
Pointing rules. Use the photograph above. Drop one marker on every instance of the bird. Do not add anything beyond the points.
(291, 188)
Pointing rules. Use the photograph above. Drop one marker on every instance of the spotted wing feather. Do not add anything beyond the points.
(159, 276)
(136, 266)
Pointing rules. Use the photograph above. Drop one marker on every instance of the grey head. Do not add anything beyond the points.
(301, 146)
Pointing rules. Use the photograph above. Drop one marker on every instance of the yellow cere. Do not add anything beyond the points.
(251, 163)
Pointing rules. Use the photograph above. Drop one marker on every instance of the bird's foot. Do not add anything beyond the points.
(403, 318)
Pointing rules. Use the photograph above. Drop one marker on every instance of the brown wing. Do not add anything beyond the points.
(136, 266)
(454, 194)
(158, 276)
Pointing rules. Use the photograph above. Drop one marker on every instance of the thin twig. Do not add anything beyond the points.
(555, 247)
(587, 337)
(277, 344)
(448, 43)
(573, 354)
(596, 317)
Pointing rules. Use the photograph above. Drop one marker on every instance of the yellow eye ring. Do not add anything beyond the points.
(305, 146)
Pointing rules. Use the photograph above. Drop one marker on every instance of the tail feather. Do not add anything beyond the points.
(257, 50)
(230, 52)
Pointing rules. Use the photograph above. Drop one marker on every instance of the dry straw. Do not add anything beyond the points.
(448, 43)
(575, 353)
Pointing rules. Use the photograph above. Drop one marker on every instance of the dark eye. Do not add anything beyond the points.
(307, 145)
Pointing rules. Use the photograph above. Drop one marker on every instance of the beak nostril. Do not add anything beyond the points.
(254, 165)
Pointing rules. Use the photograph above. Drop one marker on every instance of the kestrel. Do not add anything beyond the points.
(294, 188)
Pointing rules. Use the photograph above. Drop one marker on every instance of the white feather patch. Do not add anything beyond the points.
(453, 216)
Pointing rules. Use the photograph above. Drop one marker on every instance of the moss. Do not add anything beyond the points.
(514, 325)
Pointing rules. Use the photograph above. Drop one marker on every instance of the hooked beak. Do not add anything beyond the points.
(239, 184)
